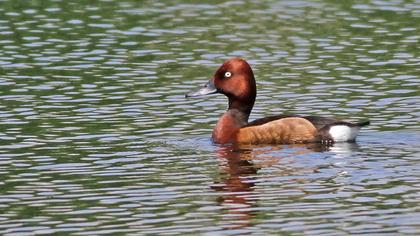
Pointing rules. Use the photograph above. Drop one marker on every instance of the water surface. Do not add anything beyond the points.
(96, 136)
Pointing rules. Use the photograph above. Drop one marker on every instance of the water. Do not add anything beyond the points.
(96, 136)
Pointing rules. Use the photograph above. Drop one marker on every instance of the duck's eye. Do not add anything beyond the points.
(228, 74)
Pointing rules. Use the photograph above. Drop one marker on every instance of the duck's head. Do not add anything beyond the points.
(235, 80)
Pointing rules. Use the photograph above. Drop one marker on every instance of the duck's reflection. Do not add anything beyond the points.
(237, 184)
(239, 167)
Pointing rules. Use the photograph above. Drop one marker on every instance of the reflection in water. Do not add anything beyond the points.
(237, 186)
(239, 170)
(239, 167)
(92, 97)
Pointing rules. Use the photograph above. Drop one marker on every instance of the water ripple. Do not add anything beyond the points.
(96, 136)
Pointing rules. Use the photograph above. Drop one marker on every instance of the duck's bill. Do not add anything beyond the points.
(208, 88)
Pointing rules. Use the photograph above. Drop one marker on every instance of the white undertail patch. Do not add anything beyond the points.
(343, 133)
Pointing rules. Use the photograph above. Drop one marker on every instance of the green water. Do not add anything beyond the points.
(97, 138)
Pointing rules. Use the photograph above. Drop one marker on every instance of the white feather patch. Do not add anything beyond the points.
(343, 133)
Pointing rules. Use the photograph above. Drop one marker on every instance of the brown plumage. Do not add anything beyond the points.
(286, 130)
(235, 80)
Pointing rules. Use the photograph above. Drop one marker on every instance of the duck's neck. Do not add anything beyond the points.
(228, 125)
(234, 118)
(241, 106)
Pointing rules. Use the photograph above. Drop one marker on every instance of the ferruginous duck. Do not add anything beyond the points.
(236, 81)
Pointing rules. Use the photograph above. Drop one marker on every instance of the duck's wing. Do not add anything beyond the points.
(321, 122)
(281, 131)
(328, 130)
(318, 121)
(269, 119)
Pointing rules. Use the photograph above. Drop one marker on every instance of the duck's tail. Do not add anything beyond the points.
(340, 131)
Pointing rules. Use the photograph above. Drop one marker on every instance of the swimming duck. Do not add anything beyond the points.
(235, 79)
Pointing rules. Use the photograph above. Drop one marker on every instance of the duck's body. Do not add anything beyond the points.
(235, 79)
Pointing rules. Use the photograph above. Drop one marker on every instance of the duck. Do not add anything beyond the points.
(235, 79)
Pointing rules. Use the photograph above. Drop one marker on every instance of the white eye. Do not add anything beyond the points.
(228, 74)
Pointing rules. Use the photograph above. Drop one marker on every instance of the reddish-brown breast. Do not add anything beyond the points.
(283, 131)
(228, 126)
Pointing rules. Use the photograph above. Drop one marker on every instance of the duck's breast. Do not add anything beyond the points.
(281, 131)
